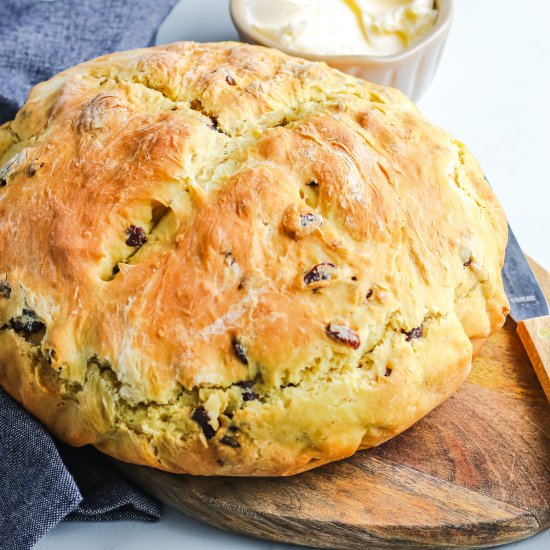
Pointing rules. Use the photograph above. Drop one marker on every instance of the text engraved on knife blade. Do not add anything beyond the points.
(523, 299)
(523, 291)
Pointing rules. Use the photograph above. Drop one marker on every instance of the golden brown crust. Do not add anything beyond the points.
(317, 259)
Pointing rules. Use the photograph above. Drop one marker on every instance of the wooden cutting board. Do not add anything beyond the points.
(475, 472)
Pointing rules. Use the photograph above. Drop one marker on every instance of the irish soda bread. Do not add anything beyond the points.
(218, 259)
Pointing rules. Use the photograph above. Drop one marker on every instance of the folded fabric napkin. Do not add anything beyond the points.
(41, 480)
(42, 37)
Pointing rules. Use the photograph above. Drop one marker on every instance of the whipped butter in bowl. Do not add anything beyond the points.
(343, 27)
(391, 42)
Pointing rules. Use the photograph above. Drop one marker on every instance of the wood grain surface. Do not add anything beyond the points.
(474, 473)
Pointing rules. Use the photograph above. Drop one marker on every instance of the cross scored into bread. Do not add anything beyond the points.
(218, 259)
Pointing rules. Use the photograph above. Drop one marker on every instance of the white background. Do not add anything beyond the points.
(493, 92)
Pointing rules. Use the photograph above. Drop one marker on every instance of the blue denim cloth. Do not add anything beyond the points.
(39, 38)
(43, 481)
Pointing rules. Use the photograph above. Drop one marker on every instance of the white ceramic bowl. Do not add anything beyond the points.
(411, 70)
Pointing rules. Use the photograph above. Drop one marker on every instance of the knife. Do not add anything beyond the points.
(528, 308)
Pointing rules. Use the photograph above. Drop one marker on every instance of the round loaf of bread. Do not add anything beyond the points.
(217, 259)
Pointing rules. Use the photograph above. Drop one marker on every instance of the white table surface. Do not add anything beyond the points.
(493, 92)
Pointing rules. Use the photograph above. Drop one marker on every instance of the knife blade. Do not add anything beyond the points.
(528, 307)
(524, 293)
